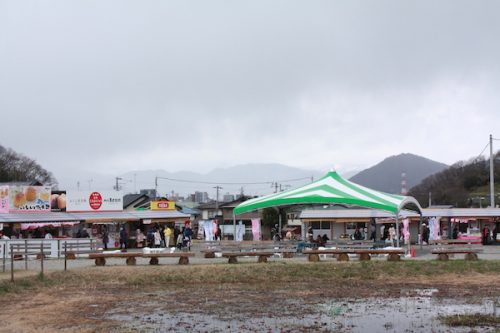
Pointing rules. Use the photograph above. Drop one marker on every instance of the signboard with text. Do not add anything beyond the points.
(94, 201)
(162, 205)
(29, 198)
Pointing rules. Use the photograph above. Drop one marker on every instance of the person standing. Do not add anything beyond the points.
(485, 235)
(176, 233)
(105, 238)
(425, 234)
(162, 236)
(494, 232)
(373, 231)
(167, 233)
(140, 238)
(179, 240)
(357, 234)
(392, 234)
(157, 238)
(123, 239)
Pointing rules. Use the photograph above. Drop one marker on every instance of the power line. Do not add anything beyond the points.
(230, 183)
(481, 153)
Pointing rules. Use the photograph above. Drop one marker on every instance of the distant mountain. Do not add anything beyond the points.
(387, 175)
(252, 179)
(464, 184)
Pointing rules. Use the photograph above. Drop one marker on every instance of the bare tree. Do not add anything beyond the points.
(17, 167)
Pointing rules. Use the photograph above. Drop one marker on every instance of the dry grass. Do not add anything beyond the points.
(78, 300)
(471, 320)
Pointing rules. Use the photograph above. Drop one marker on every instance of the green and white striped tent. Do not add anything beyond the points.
(332, 188)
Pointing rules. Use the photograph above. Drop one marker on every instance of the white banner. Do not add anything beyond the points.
(96, 201)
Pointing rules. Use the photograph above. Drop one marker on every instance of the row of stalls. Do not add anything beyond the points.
(64, 225)
(340, 223)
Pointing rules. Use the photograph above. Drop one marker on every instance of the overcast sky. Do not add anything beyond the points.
(113, 86)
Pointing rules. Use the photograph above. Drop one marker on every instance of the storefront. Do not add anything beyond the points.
(341, 223)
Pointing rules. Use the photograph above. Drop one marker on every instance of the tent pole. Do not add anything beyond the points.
(279, 221)
(397, 229)
(234, 227)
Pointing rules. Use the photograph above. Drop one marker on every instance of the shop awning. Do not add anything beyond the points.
(92, 216)
(31, 226)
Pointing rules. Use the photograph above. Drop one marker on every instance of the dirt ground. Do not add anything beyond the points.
(100, 304)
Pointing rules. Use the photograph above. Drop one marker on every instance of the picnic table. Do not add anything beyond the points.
(446, 247)
(100, 258)
(364, 254)
(232, 256)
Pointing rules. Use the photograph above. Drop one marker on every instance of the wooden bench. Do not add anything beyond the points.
(232, 256)
(100, 258)
(454, 241)
(285, 251)
(364, 254)
(183, 257)
(443, 253)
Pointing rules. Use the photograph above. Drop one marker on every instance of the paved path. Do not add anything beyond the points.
(489, 253)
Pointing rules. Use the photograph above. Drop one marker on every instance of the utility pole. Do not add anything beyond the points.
(492, 175)
(117, 186)
(275, 184)
(156, 186)
(135, 183)
(217, 188)
(430, 199)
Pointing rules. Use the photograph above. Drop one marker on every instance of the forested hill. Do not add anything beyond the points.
(15, 167)
(464, 184)
(386, 175)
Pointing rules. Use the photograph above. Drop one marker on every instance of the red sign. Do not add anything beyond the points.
(95, 200)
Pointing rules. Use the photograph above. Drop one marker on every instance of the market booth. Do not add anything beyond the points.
(33, 212)
(337, 222)
(333, 189)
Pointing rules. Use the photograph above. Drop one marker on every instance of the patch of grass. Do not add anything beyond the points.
(250, 273)
(470, 320)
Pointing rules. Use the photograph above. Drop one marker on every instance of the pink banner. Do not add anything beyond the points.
(4, 199)
(256, 229)
(406, 229)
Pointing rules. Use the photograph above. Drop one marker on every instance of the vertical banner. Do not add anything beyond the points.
(215, 228)
(240, 231)
(434, 228)
(256, 229)
(209, 235)
(406, 229)
(4, 199)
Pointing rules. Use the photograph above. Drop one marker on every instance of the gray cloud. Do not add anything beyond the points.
(111, 86)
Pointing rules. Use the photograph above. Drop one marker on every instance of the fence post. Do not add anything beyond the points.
(26, 254)
(12, 262)
(4, 255)
(65, 256)
(41, 259)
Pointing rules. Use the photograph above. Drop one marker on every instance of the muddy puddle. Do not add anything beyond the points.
(414, 311)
